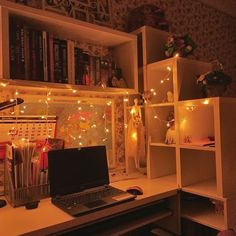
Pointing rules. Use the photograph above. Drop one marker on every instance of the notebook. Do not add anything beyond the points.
(79, 180)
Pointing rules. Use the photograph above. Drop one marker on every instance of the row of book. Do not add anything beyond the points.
(40, 56)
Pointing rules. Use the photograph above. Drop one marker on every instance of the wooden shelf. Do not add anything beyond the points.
(202, 213)
(162, 145)
(164, 104)
(195, 147)
(205, 188)
(126, 225)
(29, 86)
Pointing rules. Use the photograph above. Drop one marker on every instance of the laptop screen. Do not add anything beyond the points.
(76, 169)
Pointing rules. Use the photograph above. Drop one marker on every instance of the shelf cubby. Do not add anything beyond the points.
(161, 161)
(198, 166)
(157, 120)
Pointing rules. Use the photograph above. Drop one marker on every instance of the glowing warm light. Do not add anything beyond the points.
(80, 143)
(205, 102)
(73, 91)
(16, 93)
(168, 124)
(168, 68)
(177, 55)
(3, 85)
(154, 93)
(126, 126)
(152, 90)
(155, 117)
(125, 99)
(107, 130)
(162, 81)
(22, 111)
(109, 103)
(190, 108)
(132, 111)
(80, 137)
(134, 135)
(42, 117)
(49, 99)
(24, 107)
(79, 108)
(94, 126)
(78, 101)
(12, 100)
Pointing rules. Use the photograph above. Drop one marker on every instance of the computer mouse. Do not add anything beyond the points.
(135, 190)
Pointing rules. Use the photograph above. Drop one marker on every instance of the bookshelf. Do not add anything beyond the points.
(70, 34)
(201, 160)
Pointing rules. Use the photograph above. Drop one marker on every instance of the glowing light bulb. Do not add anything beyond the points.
(126, 126)
(16, 93)
(134, 135)
(168, 124)
(78, 101)
(107, 130)
(125, 99)
(3, 85)
(205, 102)
(155, 117)
(177, 55)
(73, 91)
(162, 81)
(168, 68)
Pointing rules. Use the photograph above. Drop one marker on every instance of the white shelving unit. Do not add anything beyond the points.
(202, 160)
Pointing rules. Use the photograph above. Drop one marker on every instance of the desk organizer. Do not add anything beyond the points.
(26, 179)
(22, 196)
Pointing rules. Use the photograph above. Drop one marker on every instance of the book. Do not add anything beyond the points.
(57, 61)
(63, 60)
(50, 57)
(79, 65)
(71, 62)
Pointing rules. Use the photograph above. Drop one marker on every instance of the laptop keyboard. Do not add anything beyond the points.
(85, 198)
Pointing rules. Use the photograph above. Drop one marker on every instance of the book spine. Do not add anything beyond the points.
(97, 71)
(27, 53)
(22, 53)
(92, 69)
(86, 72)
(71, 62)
(45, 56)
(79, 66)
(39, 56)
(64, 61)
(57, 62)
(12, 49)
(50, 57)
(32, 39)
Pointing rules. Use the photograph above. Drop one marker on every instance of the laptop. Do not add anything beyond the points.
(79, 180)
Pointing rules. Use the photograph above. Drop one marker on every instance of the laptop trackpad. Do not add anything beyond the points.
(94, 203)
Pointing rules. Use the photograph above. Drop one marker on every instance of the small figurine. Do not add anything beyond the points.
(170, 97)
(171, 133)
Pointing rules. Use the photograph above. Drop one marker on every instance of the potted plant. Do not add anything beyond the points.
(214, 83)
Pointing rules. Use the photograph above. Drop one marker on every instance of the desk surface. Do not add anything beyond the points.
(48, 219)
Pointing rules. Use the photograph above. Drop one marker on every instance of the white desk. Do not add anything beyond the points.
(48, 219)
